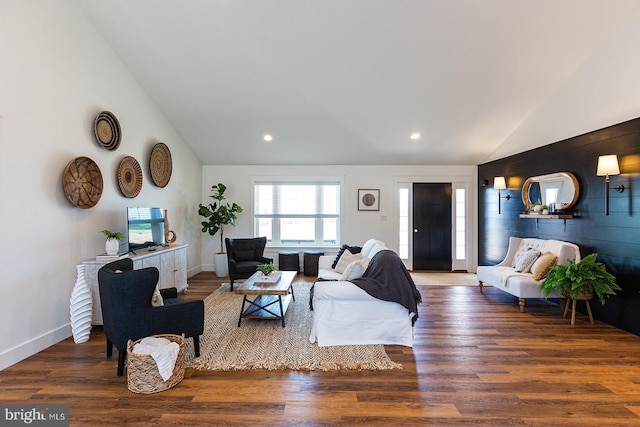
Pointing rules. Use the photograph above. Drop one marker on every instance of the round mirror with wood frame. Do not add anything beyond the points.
(560, 188)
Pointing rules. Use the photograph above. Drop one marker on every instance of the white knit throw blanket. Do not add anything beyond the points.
(163, 351)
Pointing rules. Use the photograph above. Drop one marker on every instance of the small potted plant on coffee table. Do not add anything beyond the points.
(267, 271)
(267, 268)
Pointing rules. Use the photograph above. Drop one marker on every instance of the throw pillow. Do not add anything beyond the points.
(526, 260)
(346, 259)
(368, 245)
(543, 264)
(376, 248)
(338, 255)
(352, 249)
(354, 270)
(156, 299)
(521, 250)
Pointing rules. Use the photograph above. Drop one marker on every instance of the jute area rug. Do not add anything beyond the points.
(265, 344)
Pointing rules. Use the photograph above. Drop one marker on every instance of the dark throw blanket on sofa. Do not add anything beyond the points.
(387, 278)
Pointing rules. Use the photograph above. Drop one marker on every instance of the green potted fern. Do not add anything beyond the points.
(581, 280)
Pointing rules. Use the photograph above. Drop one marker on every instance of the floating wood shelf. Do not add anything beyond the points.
(549, 216)
(563, 217)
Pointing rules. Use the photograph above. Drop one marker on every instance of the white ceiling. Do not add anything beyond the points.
(348, 81)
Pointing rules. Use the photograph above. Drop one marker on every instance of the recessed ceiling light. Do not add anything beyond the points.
(415, 135)
(268, 138)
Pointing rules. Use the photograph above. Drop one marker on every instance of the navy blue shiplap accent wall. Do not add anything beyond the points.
(616, 238)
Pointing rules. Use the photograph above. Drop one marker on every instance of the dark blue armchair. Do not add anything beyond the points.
(244, 255)
(127, 313)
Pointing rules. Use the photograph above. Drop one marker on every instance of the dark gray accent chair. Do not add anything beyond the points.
(127, 313)
(244, 255)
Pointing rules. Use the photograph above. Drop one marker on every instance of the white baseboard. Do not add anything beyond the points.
(193, 271)
(33, 346)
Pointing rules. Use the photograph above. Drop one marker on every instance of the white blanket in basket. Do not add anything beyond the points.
(163, 351)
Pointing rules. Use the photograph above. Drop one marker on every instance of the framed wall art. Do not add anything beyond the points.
(368, 200)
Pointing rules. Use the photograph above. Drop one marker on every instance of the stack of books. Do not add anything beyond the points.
(106, 257)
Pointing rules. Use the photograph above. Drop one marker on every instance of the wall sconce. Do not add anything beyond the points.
(608, 165)
(499, 183)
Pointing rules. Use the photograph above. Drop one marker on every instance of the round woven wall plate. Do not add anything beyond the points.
(82, 182)
(107, 130)
(160, 164)
(130, 177)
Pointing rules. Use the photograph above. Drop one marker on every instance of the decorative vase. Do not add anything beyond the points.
(111, 246)
(169, 235)
(81, 308)
(220, 265)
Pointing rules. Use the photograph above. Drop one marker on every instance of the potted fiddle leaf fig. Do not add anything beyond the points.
(218, 215)
(581, 280)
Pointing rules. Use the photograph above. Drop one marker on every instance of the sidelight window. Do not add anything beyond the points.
(403, 235)
(460, 224)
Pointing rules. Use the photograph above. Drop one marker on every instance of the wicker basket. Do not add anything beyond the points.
(142, 371)
(583, 296)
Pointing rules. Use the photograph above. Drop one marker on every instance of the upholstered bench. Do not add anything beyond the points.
(526, 282)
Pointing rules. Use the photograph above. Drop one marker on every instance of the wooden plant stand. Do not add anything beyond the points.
(586, 300)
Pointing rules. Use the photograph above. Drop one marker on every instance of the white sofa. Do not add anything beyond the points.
(369, 249)
(344, 314)
(523, 285)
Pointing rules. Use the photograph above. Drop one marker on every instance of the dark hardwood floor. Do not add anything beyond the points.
(476, 361)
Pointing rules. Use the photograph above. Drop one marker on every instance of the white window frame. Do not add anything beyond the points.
(459, 261)
(302, 180)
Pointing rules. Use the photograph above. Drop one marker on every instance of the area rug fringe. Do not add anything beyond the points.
(265, 344)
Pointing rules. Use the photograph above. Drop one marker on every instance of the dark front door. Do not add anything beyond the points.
(432, 226)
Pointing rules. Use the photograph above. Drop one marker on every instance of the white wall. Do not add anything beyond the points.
(603, 91)
(56, 75)
(357, 226)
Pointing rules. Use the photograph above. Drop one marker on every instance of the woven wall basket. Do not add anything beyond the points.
(160, 164)
(107, 130)
(130, 177)
(142, 371)
(82, 182)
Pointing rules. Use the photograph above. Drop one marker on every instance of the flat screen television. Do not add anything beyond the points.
(145, 227)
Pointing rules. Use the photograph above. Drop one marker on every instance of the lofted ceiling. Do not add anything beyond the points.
(348, 81)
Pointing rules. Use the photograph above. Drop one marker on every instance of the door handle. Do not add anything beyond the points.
(415, 230)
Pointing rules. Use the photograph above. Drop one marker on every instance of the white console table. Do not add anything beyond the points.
(170, 261)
